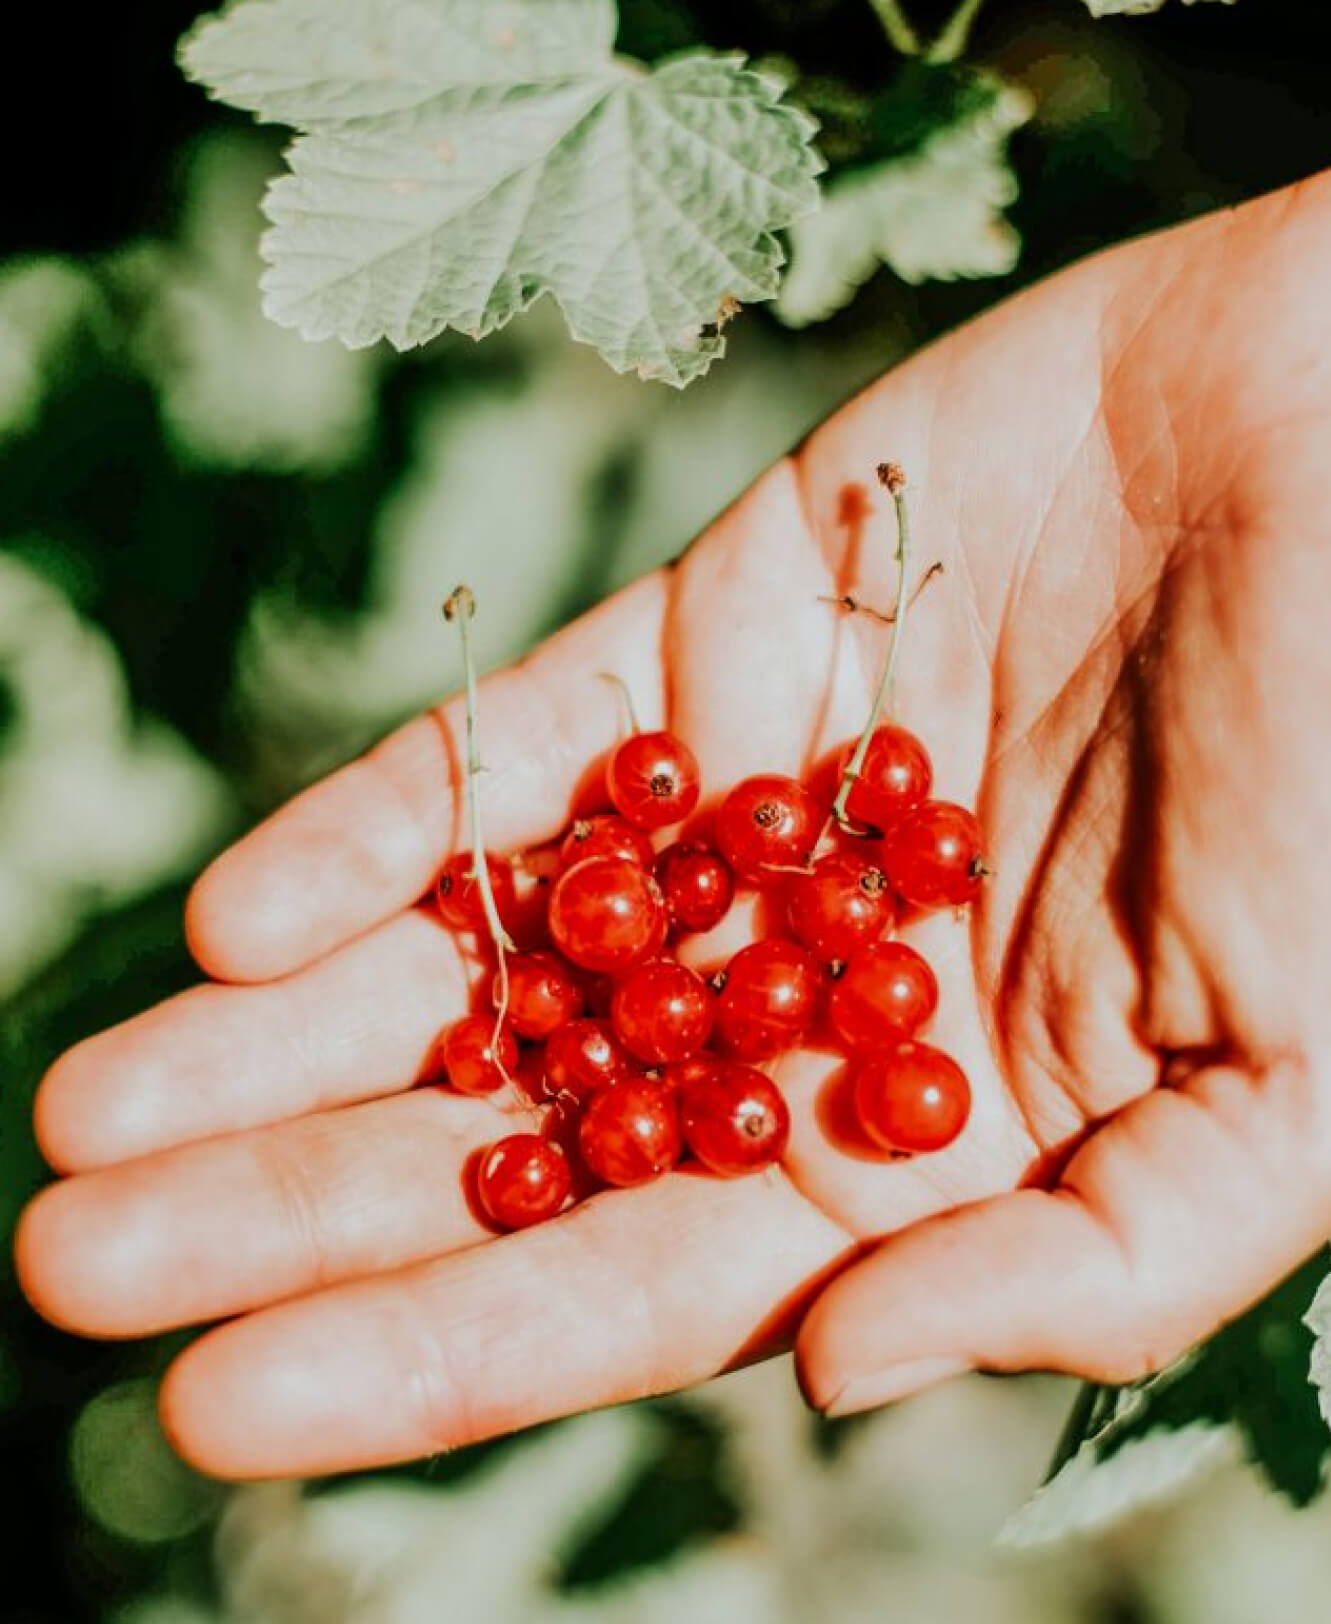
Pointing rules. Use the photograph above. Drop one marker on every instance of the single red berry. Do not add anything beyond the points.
(896, 774)
(607, 913)
(663, 1011)
(843, 903)
(630, 1133)
(459, 895)
(734, 1119)
(652, 779)
(583, 1056)
(932, 855)
(543, 994)
(470, 1057)
(696, 884)
(605, 835)
(770, 998)
(885, 993)
(523, 1179)
(766, 824)
(912, 1098)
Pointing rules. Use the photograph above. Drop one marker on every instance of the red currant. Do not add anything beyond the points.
(896, 774)
(470, 1057)
(583, 1056)
(653, 779)
(843, 903)
(605, 836)
(769, 999)
(543, 994)
(607, 913)
(663, 1011)
(886, 992)
(459, 896)
(932, 855)
(697, 885)
(912, 1098)
(734, 1119)
(767, 823)
(523, 1179)
(630, 1133)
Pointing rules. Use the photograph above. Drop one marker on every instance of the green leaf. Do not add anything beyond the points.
(932, 211)
(466, 157)
(1094, 1490)
(1248, 1385)
(1133, 8)
(316, 66)
(921, 100)
(1318, 1321)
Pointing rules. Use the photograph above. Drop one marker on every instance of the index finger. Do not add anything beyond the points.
(368, 841)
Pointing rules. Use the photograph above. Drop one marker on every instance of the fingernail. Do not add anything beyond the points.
(898, 1381)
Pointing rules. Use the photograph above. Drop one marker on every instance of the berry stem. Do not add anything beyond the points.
(955, 33)
(897, 26)
(635, 726)
(853, 605)
(893, 480)
(460, 606)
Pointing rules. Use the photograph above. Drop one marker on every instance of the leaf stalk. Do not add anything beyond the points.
(901, 35)
(460, 606)
(893, 479)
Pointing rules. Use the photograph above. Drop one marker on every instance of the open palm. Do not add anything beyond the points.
(1125, 478)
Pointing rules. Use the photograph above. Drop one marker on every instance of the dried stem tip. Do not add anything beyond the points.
(892, 477)
(460, 601)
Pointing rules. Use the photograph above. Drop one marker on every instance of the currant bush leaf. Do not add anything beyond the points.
(1245, 1390)
(463, 158)
(315, 66)
(1093, 1490)
(1318, 1321)
(933, 210)
(1133, 8)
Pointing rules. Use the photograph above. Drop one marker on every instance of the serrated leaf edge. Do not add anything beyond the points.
(1318, 1321)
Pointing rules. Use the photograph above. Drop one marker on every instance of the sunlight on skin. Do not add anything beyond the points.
(1123, 474)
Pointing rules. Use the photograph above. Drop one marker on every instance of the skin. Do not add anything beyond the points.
(1125, 664)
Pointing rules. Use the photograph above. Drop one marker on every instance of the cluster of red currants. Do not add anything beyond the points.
(647, 1060)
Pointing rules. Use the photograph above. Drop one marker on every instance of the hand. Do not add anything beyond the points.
(1125, 475)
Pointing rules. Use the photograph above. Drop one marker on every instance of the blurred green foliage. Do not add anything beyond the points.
(237, 543)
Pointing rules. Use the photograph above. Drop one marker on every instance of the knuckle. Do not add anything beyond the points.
(435, 1397)
(294, 1167)
(632, 1360)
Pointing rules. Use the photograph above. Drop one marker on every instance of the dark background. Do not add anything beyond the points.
(91, 129)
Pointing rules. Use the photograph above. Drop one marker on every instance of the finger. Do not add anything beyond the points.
(1174, 1217)
(236, 1223)
(747, 699)
(632, 1293)
(218, 1059)
(368, 841)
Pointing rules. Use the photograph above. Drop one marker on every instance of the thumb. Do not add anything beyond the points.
(1173, 1217)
